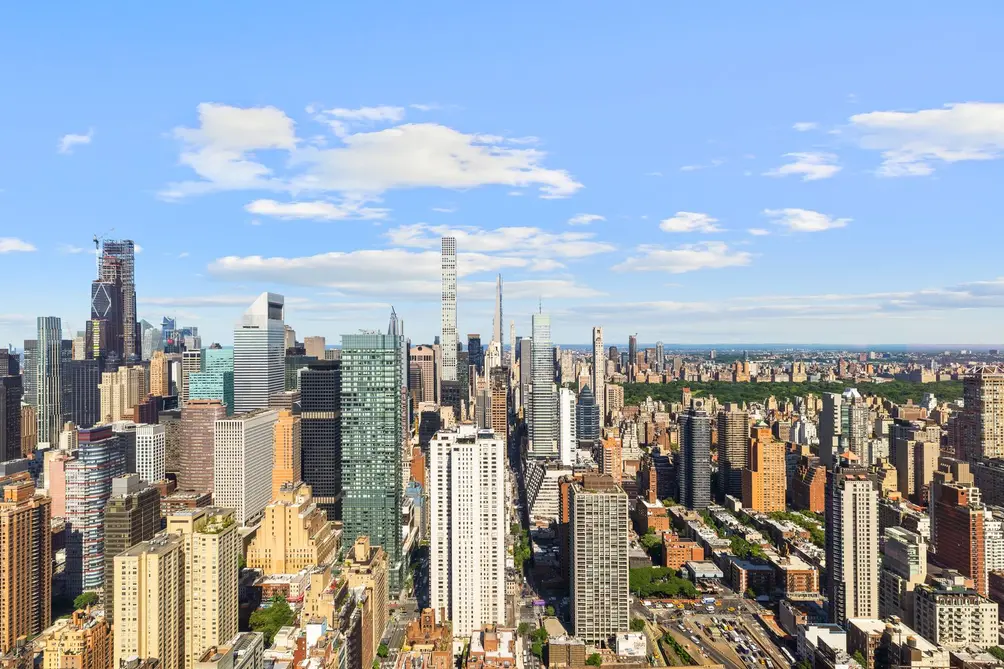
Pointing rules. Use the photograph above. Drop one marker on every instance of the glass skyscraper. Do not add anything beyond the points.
(215, 381)
(371, 443)
(543, 421)
(259, 353)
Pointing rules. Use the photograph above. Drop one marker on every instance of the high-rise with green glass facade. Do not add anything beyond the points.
(215, 380)
(371, 444)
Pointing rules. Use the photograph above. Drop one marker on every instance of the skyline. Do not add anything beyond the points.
(623, 168)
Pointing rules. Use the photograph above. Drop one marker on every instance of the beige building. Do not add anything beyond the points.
(212, 548)
(244, 651)
(149, 587)
(82, 641)
(286, 454)
(424, 358)
(25, 560)
(159, 377)
(294, 534)
(120, 392)
(314, 346)
(763, 480)
(614, 398)
(367, 567)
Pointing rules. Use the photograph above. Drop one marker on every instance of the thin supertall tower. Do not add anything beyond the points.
(497, 324)
(599, 367)
(49, 389)
(448, 340)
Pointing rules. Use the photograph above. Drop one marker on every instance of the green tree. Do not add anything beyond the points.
(549, 611)
(539, 635)
(269, 620)
(594, 660)
(537, 648)
(383, 650)
(524, 629)
(637, 624)
(859, 657)
(376, 664)
(85, 599)
(997, 652)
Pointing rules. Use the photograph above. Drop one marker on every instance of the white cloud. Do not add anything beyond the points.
(73, 250)
(445, 210)
(758, 232)
(425, 107)
(716, 162)
(319, 210)
(13, 244)
(67, 142)
(690, 221)
(805, 126)
(912, 143)
(686, 258)
(810, 165)
(508, 240)
(183, 254)
(654, 174)
(804, 220)
(585, 219)
(223, 152)
(137, 248)
(379, 113)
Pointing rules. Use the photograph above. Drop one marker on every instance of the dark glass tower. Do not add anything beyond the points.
(587, 417)
(84, 401)
(121, 254)
(475, 353)
(321, 433)
(694, 465)
(10, 406)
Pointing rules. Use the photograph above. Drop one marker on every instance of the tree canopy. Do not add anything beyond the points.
(660, 582)
(269, 620)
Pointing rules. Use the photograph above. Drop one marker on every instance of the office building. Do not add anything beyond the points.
(960, 538)
(294, 534)
(99, 458)
(904, 567)
(423, 359)
(632, 357)
(191, 363)
(118, 258)
(543, 400)
(448, 335)
(159, 376)
(242, 456)
(983, 413)
(733, 449)
(212, 548)
(467, 508)
(131, 516)
(82, 641)
(286, 454)
(763, 480)
(314, 347)
(25, 560)
(321, 433)
(215, 379)
(371, 443)
(694, 458)
(149, 601)
(599, 555)
(11, 392)
(197, 444)
(121, 391)
(599, 373)
(49, 357)
(950, 614)
(499, 380)
(367, 568)
(852, 553)
(84, 398)
(914, 450)
(259, 353)
(151, 452)
(567, 427)
(476, 353)
(588, 419)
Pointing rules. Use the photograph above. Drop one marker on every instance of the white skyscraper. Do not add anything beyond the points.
(497, 324)
(599, 369)
(259, 353)
(467, 507)
(448, 340)
(543, 398)
(150, 452)
(567, 433)
(242, 451)
(852, 551)
(49, 368)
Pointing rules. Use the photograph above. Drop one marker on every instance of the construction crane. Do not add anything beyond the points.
(98, 239)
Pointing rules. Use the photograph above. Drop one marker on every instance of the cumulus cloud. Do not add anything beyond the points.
(690, 221)
(758, 232)
(15, 245)
(804, 220)
(516, 240)
(810, 165)
(318, 210)
(716, 162)
(913, 143)
(805, 126)
(227, 152)
(68, 142)
(686, 258)
(585, 219)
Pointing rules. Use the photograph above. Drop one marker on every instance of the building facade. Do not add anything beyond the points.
(852, 554)
(196, 443)
(242, 453)
(131, 516)
(694, 463)
(259, 353)
(294, 534)
(543, 401)
(321, 433)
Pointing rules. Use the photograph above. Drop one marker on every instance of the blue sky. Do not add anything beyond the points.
(731, 173)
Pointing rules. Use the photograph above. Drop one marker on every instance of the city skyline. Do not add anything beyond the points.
(599, 192)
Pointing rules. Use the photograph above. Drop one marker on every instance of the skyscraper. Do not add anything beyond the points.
(599, 555)
(904, 567)
(123, 254)
(567, 427)
(196, 459)
(11, 391)
(242, 456)
(259, 353)
(25, 560)
(733, 432)
(694, 458)
(499, 381)
(371, 443)
(84, 399)
(660, 356)
(983, 413)
(215, 378)
(599, 373)
(151, 444)
(829, 430)
(497, 322)
(321, 433)
(286, 462)
(314, 346)
(131, 516)
(448, 341)
(587, 418)
(191, 363)
(467, 503)
(852, 551)
(120, 392)
(632, 360)
(763, 480)
(160, 379)
(49, 377)
(476, 353)
(543, 398)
